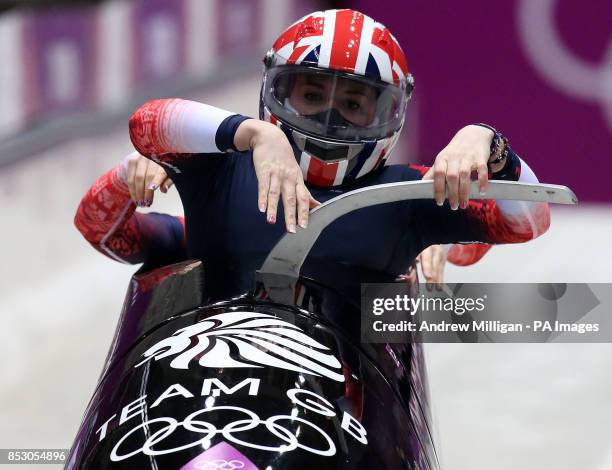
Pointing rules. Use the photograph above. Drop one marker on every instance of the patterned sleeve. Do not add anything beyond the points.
(168, 130)
(467, 254)
(106, 217)
(486, 221)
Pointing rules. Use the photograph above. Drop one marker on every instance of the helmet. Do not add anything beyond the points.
(337, 83)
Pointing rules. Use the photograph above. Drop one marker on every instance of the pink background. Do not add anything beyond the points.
(470, 65)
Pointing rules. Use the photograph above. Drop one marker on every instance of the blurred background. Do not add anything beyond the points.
(72, 72)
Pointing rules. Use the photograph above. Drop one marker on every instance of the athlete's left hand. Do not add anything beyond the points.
(469, 150)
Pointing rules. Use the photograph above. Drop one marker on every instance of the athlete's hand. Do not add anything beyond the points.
(143, 177)
(278, 173)
(433, 260)
(469, 150)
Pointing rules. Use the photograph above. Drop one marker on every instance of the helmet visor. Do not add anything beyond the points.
(334, 105)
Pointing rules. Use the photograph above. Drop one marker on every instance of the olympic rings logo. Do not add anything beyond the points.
(220, 465)
(289, 440)
(568, 73)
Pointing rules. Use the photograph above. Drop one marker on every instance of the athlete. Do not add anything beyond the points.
(332, 104)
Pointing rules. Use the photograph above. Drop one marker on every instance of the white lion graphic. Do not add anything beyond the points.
(261, 340)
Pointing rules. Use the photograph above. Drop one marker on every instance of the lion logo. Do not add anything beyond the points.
(259, 339)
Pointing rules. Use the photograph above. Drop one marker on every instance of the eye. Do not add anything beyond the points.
(353, 105)
(312, 97)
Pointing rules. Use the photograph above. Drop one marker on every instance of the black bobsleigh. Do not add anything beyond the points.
(273, 379)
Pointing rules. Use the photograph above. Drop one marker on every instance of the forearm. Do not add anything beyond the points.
(105, 211)
(467, 254)
(509, 221)
(107, 219)
(506, 221)
(486, 220)
(252, 132)
(176, 126)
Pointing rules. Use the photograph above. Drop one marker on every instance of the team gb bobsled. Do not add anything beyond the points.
(274, 379)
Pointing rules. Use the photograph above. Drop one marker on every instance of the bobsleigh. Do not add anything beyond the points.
(274, 379)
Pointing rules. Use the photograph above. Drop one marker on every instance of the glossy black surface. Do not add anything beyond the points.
(302, 391)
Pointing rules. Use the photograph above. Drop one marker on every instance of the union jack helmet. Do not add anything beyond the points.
(337, 83)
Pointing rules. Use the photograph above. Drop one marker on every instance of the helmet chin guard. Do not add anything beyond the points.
(337, 83)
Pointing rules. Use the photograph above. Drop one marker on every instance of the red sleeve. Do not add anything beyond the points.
(491, 221)
(465, 255)
(169, 130)
(149, 128)
(106, 217)
(420, 168)
(519, 227)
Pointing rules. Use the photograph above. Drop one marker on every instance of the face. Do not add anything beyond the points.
(312, 94)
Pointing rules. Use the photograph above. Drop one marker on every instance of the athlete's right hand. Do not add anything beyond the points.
(432, 261)
(143, 177)
(278, 173)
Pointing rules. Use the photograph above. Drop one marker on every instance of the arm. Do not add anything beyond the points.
(509, 221)
(190, 138)
(107, 219)
(457, 254)
(433, 258)
(468, 254)
(168, 130)
(485, 221)
(461, 220)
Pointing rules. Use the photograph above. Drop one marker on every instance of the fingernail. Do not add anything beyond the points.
(152, 187)
(262, 208)
(455, 206)
(464, 205)
(440, 203)
(148, 203)
(271, 219)
(291, 228)
(303, 224)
